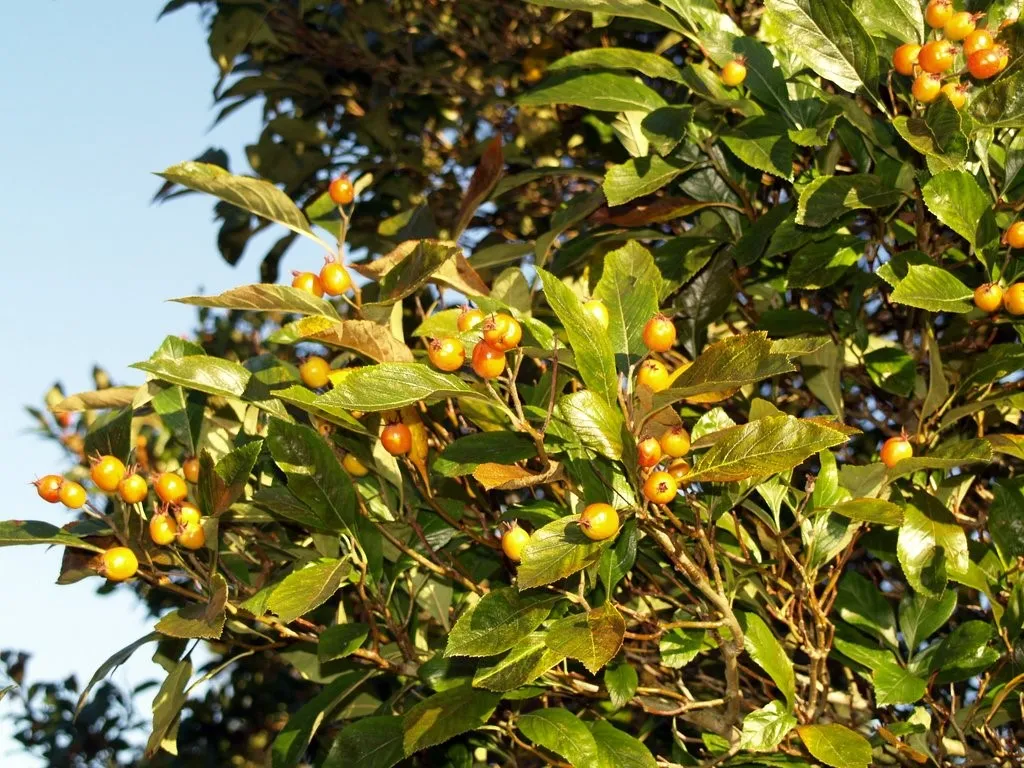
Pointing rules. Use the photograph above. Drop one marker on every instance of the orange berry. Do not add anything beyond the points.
(896, 449)
(470, 318)
(72, 494)
(189, 514)
(988, 297)
(335, 279)
(985, 63)
(960, 25)
(315, 372)
(926, 88)
(1013, 299)
(937, 56)
(119, 563)
(48, 488)
(599, 521)
(956, 93)
(652, 374)
(513, 541)
(679, 469)
(192, 537)
(660, 488)
(133, 489)
(488, 362)
(675, 442)
(107, 472)
(905, 58)
(502, 332)
(354, 466)
(190, 469)
(308, 282)
(659, 334)
(1014, 235)
(978, 40)
(162, 529)
(734, 72)
(938, 12)
(171, 488)
(397, 439)
(648, 452)
(446, 354)
(341, 190)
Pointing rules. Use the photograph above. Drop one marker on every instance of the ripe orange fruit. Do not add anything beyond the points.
(1014, 235)
(896, 449)
(190, 469)
(334, 278)
(397, 439)
(107, 472)
(926, 88)
(192, 536)
(446, 354)
(988, 297)
(119, 563)
(734, 72)
(937, 56)
(599, 521)
(189, 514)
(1013, 299)
(315, 372)
(48, 488)
(470, 318)
(341, 190)
(133, 489)
(960, 25)
(488, 362)
(905, 58)
(308, 282)
(72, 494)
(675, 442)
(354, 466)
(660, 488)
(978, 40)
(162, 529)
(679, 469)
(502, 332)
(653, 374)
(956, 93)
(513, 541)
(171, 488)
(659, 334)
(598, 311)
(648, 452)
(985, 63)
(938, 12)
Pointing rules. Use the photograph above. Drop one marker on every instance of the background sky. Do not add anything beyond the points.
(96, 96)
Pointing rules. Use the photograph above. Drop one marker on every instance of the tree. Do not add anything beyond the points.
(733, 339)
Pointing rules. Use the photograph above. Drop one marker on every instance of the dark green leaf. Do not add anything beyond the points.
(1006, 518)
(563, 733)
(649, 64)
(640, 176)
(373, 742)
(388, 386)
(616, 749)
(892, 369)
(498, 622)
(665, 127)
(828, 197)
(1001, 104)
(467, 453)
(292, 742)
(630, 286)
(931, 545)
(763, 143)
(921, 616)
(111, 664)
(199, 620)
(957, 200)
(621, 681)
(965, 652)
(446, 714)
(527, 661)
(340, 641)
(860, 603)
(632, 9)
(768, 653)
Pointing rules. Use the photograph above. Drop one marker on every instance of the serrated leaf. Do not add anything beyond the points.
(527, 661)
(446, 714)
(557, 550)
(366, 337)
(870, 511)
(957, 200)
(563, 733)
(616, 749)
(199, 620)
(264, 297)
(1001, 104)
(765, 728)
(933, 288)
(593, 421)
(650, 64)
(307, 588)
(836, 745)
(763, 143)
(931, 545)
(828, 197)
(15, 533)
(501, 619)
(964, 652)
(679, 647)
(921, 616)
(895, 685)
(768, 653)
(632, 9)
(630, 286)
(604, 91)
(388, 386)
(340, 641)
(640, 176)
(621, 681)
(101, 399)
(373, 742)
(592, 638)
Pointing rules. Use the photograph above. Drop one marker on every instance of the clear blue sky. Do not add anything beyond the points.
(96, 96)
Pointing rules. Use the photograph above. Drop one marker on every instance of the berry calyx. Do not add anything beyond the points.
(341, 190)
(119, 563)
(905, 58)
(334, 278)
(192, 536)
(396, 438)
(189, 514)
(598, 312)
(133, 489)
(470, 318)
(960, 25)
(354, 466)
(988, 297)
(675, 442)
(513, 541)
(648, 452)
(162, 529)
(315, 372)
(1014, 235)
(48, 487)
(896, 449)
(170, 488)
(679, 469)
(653, 374)
(937, 56)
(956, 93)
(734, 72)
(659, 334)
(502, 332)
(938, 12)
(1013, 299)
(72, 495)
(926, 88)
(107, 472)
(660, 488)
(978, 40)
(308, 282)
(190, 469)
(488, 362)
(985, 63)
(446, 354)
(599, 521)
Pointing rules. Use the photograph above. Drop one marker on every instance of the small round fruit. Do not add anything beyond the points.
(1014, 235)
(679, 469)
(1013, 299)
(48, 488)
(959, 25)
(162, 529)
(397, 439)
(341, 190)
(308, 282)
(119, 563)
(659, 334)
(896, 449)
(171, 488)
(926, 88)
(985, 63)
(133, 489)
(956, 93)
(354, 466)
(446, 354)
(72, 495)
(189, 514)
(648, 452)
(470, 318)
(675, 442)
(905, 58)
(315, 372)
(598, 312)
(502, 332)
(107, 473)
(660, 488)
(488, 362)
(653, 374)
(599, 521)
(938, 13)
(734, 72)
(192, 537)
(190, 469)
(937, 56)
(335, 279)
(513, 542)
(978, 40)
(988, 297)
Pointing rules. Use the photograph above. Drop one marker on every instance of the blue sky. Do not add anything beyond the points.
(97, 95)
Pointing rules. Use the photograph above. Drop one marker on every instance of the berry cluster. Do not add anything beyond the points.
(991, 297)
(333, 278)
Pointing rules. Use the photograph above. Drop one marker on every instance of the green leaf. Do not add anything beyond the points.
(265, 297)
(616, 749)
(572, 213)
(370, 339)
(603, 91)
(870, 511)
(922, 616)
(892, 370)
(183, 418)
(621, 681)
(937, 135)
(933, 288)
(307, 588)
(768, 653)
(618, 559)
(111, 434)
(679, 647)
(827, 36)
(630, 285)
(895, 685)
(957, 200)
(593, 638)
(340, 641)
(15, 533)
(445, 715)
(828, 197)
(563, 733)
(557, 550)
(1001, 104)
(650, 64)
(167, 706)
(112, 663)
(860, 603)
(763, 447)
(308, 401)
(467, 453)
(1006, 518)
(765, 728)
(763, 143)
(292, 742)
(498, 622)
(590, 344)
(527, 661)
(665, 127)
(640, 176)
(373, 742)
(765, 78)
(199, 620)
(965, 652)
(898, 19)
(314, 474)
(819, 264)
(836, 745)
(631, 9)
(214, 376)
(388, 386)
(226, 483)
(416, 269)
(931, 545)
(593, 421)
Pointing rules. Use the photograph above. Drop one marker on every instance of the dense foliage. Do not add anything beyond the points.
(812, 548)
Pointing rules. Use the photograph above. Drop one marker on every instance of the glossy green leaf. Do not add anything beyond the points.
(562, 732)
(767, 652)
(373, 742)
(931, 545)
(1006, 518)
(899, 19)
(836, 745)
(618, 559)
(933, 288)
(616, 748)
(500, 620)
(446, 714)
(418, 267)
(340, 641)
(829, 197)
(593, 421)
(922, 616)
(592, 638)
(965, 652)
(388, 386)
(527, 661)
(665, 127)
(630, 286)
(870, 511)
(467, 453)
(892, 369)
(631, 9)
(895, 685)
(621, 681)
(557, 550)
(820, 264)
(957, 200)
(307, 588)
(640, 176)
(649, 64)
(860, 603)
(604, 91)
(1001, 104)
(765, 728)
(763, 143)
(679, 647)
(265, 297)
(15, 533)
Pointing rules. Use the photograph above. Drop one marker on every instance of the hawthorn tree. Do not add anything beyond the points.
(722, 468)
